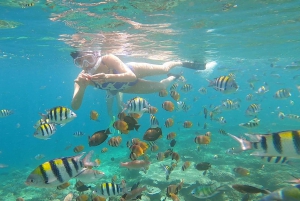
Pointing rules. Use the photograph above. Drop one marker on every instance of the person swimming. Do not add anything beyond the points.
(109, 73)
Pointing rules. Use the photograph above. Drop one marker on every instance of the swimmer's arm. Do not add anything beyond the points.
(80, 84)
(113, 62)
(77, 96)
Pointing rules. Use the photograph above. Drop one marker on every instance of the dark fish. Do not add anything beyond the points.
(131, 122)
(168, 153)
(249, 189)
(98, 137)
(63, 186)
(246, 197)
(135, 186)
(203, 166)
(172, 189)
(81, 186)
(172, 143)
(112, 159)
(241, 171)
(152, 134)
(205, 112)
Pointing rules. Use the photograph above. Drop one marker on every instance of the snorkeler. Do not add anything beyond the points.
(109, 73)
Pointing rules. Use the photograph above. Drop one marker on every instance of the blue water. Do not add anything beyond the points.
(37, 72)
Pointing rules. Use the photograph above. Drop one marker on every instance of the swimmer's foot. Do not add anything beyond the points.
(174, 75)
(194, 65)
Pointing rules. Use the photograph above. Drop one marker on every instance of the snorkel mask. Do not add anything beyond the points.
(87, 60)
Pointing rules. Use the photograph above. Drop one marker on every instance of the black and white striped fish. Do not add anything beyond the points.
(283, 143)
(137, 105)
(59, 115)
(230, 104)
(292, 116)
(45, 131)
(5, 113)
(253, 109)
(186, 87)
(224, 84)
(282, 94)
(251, 124)
(58, 171)
(153, 121)
(275, 159)
(182, 106)
(78, 134)
(40, 122)
(174, 87)
(109, 189)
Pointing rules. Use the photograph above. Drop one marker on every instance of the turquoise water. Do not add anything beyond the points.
(244, 38)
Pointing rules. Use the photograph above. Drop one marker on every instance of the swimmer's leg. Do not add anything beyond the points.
(144, 69)
(109, 104)
(119, 97)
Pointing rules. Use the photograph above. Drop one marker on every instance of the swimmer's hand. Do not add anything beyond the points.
(99, 78)
(83, 79)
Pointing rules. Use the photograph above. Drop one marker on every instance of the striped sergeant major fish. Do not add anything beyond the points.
(283, 143)
(40, 122)
(223, 132)
(230, 104)
(292, 116)
(58, 171)
(110, 189)
(186, 87)
(45, 131)
(276, 159)
(182, 106)
(174, 87)
(26, 5)
(5, 113)
(153, 121)
(282, 94)
(59, 115)
(253, 109)
(137, 105)
(224, 84)
(168, 169)
(251, 124)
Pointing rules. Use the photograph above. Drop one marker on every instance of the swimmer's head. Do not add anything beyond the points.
(86, 59)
